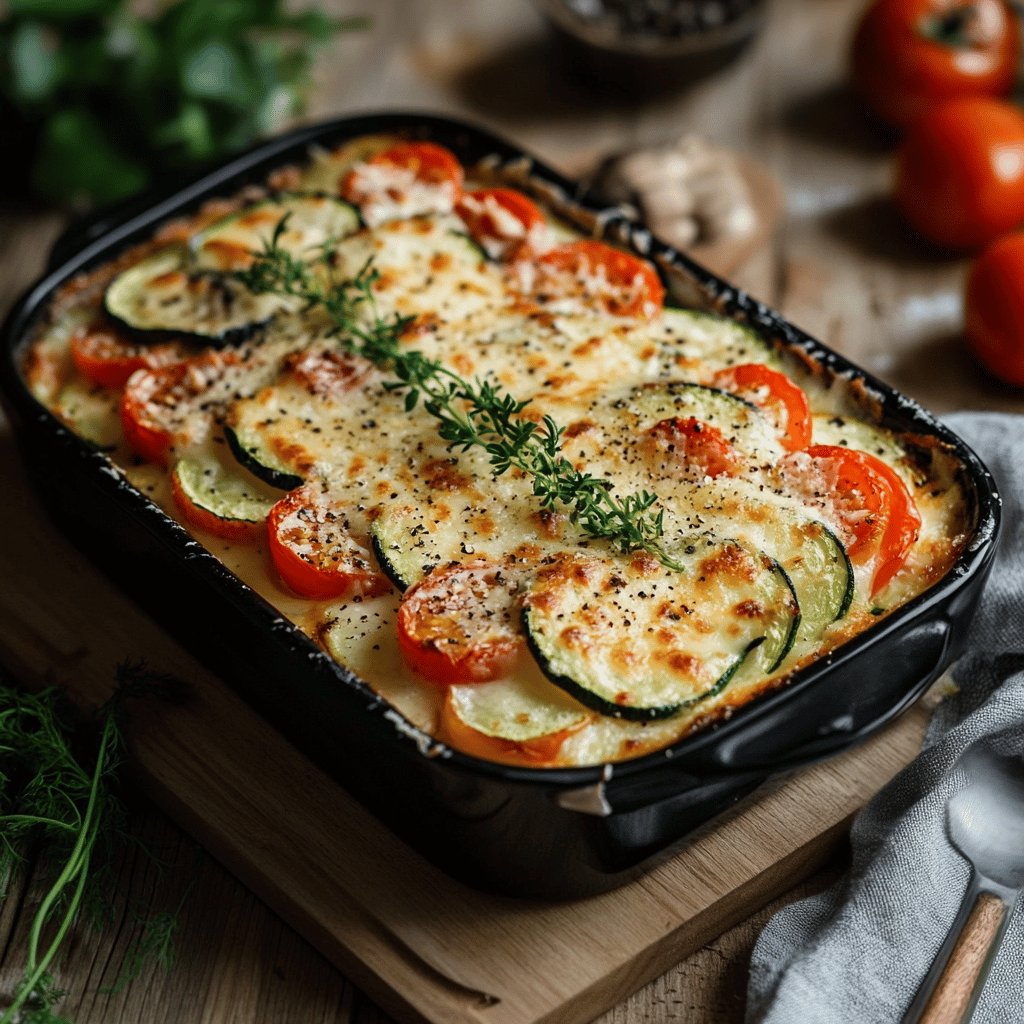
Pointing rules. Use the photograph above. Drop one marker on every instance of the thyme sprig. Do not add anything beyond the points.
(471, 414)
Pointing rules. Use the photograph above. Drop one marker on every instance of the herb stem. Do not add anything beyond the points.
(472, 414)
(35, 819)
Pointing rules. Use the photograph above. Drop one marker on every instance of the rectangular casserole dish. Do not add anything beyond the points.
(560, 832)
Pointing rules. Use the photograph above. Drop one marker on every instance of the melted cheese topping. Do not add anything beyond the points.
(606, 379)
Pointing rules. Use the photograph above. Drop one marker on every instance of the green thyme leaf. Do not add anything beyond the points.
(470, 414)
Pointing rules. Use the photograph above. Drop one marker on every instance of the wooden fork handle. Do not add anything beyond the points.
(961, 979)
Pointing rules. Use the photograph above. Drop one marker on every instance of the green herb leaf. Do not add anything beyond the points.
(470, 414)
(62, 10)
(216, 71)
(76, 159)
(35, 65)
(191, 81)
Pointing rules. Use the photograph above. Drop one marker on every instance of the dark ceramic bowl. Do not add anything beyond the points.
(555, 832)
(657, 58)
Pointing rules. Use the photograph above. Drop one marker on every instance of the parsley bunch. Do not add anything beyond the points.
(99, 100)
(472, 414)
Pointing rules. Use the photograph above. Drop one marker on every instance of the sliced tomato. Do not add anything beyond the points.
(621, 283)
(502, 220)
(458, 625)
(456, 733)
(156, 402)
(314, 552)
(396, 176)
(106, 357)
(701, 448)
(878, 511)
(774, 392)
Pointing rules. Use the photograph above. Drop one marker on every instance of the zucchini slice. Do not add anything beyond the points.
(206, 485)
(327, 168)
(162, 296)
(314, 220)
(93, 412)
(635, 640)
(410, 541)
(818, 567)
(515, 710)
(403, 546)
(715, 339)
(743, 424)
(249, 449)
(443, 273)
(851, 433)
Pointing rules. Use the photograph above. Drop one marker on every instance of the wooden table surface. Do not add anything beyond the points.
(841, 265)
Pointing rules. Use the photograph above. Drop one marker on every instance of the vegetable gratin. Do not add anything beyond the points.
(486, 463)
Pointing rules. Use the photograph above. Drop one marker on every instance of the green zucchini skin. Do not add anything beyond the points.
(474, 247)
(779, 655)
(209, 486)
(248, 453)
(843, 561)
(716, 339)
(638, 642)
(410, 542)
(312, 219)
(389, 560)
(207, 304)
(642, 407)
(850, 588)
(228, 312)
(609, 709)
(816, 567)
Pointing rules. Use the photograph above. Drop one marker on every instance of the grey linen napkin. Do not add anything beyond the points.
(857, 952)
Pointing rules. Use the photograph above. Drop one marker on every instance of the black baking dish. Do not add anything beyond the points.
(551, 832)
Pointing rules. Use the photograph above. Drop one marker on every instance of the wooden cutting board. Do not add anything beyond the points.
(423, 946)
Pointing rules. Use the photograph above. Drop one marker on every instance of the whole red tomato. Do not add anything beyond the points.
(994, 309)
(960, 173)
(909, 55)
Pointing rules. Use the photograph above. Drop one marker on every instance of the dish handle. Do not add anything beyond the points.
(801, 727)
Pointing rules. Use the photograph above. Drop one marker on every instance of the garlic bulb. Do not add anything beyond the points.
(689, 192)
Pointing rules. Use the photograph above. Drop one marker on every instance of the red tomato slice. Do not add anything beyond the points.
(702, 449)
(776, 394)
(623, 284)
(459, 625)
(235, 530)
(106, 357)
(502, 220)
(422, 162)
(888, 523)
(456, 733)
(313, 551)
(155, 402)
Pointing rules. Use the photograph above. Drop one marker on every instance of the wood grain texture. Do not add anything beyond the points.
(841, 265)
(954, 992)
(422, 945)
